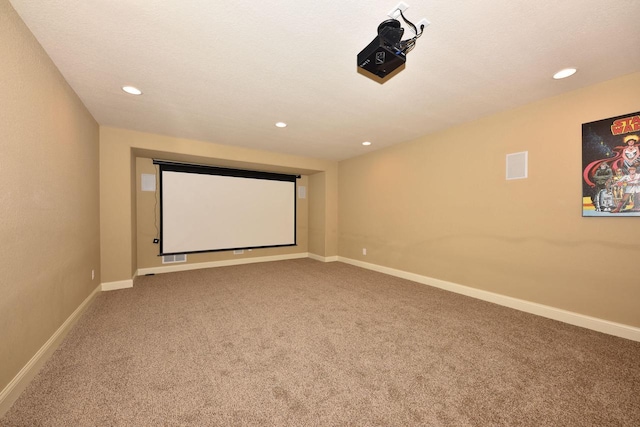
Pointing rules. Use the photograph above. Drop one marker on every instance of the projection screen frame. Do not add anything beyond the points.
(169, 166)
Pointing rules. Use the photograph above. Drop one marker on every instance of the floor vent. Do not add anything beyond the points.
(169, 259)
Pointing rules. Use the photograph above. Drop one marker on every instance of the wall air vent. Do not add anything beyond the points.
(170, 259)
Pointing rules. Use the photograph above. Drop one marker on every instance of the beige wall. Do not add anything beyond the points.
(121, 254)
(440, 207)
(323, 213)
(317, 218)
(49, 219)
(148, 223)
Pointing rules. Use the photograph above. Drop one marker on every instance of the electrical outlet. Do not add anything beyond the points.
(424, 22)
(364, 251)
(395, 12)
(93, 274)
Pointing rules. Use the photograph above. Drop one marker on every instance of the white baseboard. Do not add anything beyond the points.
(195, 266)
(576, 319)
(17, 385)
(323, 258)
(121, 284)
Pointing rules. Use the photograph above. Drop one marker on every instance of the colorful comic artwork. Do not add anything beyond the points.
(611, 167)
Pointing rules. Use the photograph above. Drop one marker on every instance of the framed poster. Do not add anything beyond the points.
(611, 167)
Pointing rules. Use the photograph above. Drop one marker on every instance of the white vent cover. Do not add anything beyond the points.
(517, 165)
(169, 259)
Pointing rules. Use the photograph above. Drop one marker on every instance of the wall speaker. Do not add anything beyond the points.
(517, 167)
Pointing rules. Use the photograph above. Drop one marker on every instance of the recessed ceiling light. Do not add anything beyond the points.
(366, 143)
(564, 73)
(281, 124)
(132, 90)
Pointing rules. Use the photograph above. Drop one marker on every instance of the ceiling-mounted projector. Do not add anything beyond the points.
(388, 51)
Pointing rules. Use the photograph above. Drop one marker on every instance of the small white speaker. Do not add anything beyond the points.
(148, 182)
(517, 165)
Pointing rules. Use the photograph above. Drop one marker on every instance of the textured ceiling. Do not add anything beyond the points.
(225, 72)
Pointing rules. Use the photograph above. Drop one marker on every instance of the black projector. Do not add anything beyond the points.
(384, 54)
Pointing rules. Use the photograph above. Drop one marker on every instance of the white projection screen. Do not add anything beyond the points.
(206, 209)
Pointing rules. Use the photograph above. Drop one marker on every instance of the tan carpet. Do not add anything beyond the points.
(304, 343)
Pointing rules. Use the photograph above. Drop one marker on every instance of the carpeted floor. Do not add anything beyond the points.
(304, 343)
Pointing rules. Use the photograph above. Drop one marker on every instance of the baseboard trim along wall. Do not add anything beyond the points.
(576, 319)
(121, 284)
(212, 264)
(17, 385)
(323, 258)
